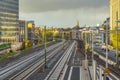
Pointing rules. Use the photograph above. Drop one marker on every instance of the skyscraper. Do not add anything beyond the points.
(9, 14)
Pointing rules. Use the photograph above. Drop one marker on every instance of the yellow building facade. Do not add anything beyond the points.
(114, 16)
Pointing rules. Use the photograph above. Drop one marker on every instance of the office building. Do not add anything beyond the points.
(22, 24)
(9, 14)
(114, 16)
(30, 32)
(26, 30)
(106, 26)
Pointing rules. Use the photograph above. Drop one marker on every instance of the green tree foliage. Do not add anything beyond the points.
(57, 34)
(26, 43)
(49, 35)
(67, 36)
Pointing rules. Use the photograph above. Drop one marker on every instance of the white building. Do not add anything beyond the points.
(98, 34)
(75, 31)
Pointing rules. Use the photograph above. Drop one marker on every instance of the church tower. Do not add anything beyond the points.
(77, 23)
(75, 31)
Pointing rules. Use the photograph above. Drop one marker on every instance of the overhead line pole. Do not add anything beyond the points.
(117, 39)
(45, 45)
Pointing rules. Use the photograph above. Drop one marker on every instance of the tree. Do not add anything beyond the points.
(67, 35)
(38, 34)
(56, 34)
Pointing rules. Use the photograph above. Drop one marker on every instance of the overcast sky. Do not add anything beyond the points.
(64, 13)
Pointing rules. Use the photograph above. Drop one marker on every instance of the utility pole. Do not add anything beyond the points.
(53, 34)
(106, 71)
(117, 39)
(85, 52)
(45, 45)
(93, 61)
(106, 45)
(92, 47)
(43, 35)
(63, 39)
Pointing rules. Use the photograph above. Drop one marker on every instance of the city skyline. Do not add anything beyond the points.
(63, 13)
(59, 40)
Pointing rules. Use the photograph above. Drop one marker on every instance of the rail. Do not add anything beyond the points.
(55, 73)
(7, 71)
(25, 73)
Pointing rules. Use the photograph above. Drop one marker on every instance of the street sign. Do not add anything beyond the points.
(106, 71)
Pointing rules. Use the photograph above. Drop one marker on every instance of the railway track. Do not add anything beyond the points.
(25, 73)
(113, 70)
(18, 66)
(56, 72)
(37, 48)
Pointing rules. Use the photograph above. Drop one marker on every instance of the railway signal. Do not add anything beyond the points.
(107, 71)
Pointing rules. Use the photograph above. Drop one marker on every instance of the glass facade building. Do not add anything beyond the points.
(9, 15)
(26, 30)
(22, 27)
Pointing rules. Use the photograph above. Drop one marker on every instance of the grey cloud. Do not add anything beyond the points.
(68, 17)
(33, 6)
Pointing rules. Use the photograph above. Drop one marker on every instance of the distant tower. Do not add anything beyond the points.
(75, 31)
(77, 23)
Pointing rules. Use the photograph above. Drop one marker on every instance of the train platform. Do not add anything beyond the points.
(77, 73)
(76, 69)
